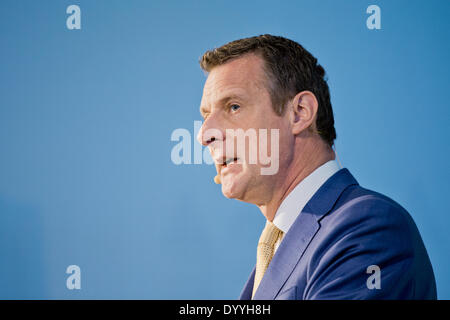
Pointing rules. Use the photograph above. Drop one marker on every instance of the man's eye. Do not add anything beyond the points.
(234, 107)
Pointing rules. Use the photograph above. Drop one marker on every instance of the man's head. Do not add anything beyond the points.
(264, 82)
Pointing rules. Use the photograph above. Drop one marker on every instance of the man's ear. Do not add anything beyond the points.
(304, 110)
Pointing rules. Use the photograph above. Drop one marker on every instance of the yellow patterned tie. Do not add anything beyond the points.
(266, 246)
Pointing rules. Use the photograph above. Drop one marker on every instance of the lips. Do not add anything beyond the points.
(229, 160)
(222, 163)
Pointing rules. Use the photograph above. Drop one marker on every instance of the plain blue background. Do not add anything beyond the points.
(86, 117)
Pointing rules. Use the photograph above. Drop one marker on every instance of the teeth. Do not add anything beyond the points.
(230, 160)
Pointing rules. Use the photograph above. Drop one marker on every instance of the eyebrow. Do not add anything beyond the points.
(222, 102)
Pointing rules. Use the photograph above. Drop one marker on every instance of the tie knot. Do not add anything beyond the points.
(270, 234)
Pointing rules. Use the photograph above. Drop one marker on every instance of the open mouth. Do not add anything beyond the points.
(229, 161)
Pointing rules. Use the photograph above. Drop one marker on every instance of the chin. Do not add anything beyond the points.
(233, 189)
(231, 193)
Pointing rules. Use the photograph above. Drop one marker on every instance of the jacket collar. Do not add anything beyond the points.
(298, 237)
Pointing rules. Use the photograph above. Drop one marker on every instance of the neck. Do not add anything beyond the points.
(307, 157)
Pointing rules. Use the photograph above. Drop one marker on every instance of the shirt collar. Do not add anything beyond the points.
(296, 200)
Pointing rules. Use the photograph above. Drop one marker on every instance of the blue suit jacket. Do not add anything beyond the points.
(342, 231)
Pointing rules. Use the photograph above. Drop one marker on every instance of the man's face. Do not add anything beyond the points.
(235, 96)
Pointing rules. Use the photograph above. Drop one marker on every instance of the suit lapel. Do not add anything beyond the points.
(288, 254)
(298, 237)
(246, 293)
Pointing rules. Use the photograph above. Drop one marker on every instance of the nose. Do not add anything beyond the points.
(208, 133)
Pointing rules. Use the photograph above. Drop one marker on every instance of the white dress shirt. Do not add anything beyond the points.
(296, 200)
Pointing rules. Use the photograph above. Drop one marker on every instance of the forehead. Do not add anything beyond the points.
(242, 76)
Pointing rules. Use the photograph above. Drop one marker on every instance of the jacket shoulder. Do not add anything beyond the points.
(359, 203)
(367, 228)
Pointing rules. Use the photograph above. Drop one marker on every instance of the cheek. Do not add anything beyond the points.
(286, 149)
(286, 139)
(251, 174)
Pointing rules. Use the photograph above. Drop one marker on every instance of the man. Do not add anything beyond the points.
(326, 237)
